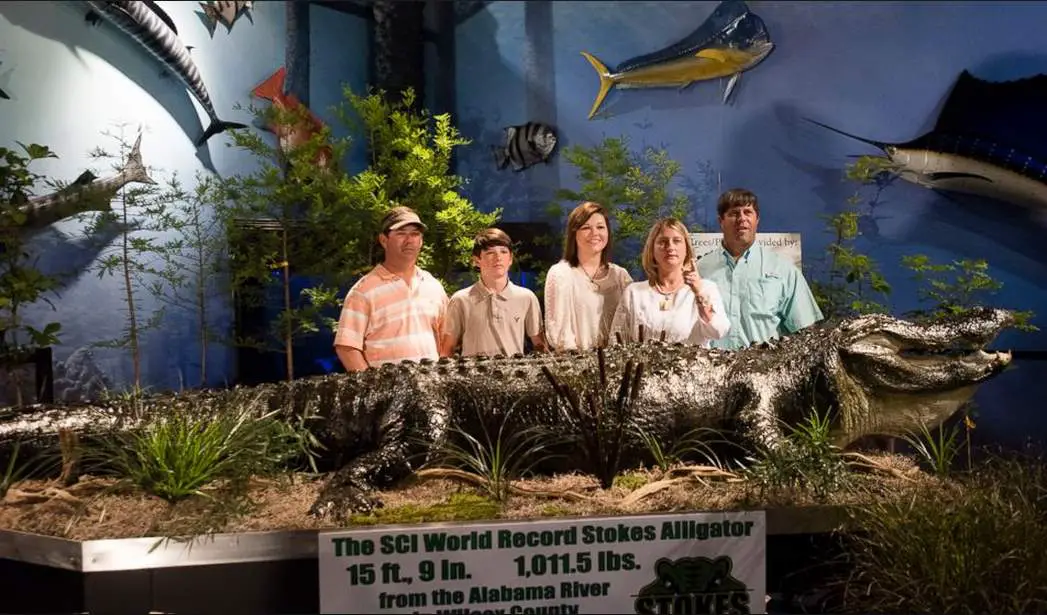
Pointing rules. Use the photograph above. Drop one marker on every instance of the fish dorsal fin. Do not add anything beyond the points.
(723, 54)
(162, 15)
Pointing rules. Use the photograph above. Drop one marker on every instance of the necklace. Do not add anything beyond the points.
(668, 298)
(592, 282)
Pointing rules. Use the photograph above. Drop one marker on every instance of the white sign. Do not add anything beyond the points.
(679, 563)
(785, 244)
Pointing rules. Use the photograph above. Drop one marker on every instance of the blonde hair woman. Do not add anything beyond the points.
(583, 289)
(674, 301)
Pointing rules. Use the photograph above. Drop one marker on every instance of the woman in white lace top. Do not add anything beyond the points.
(674, 301)
(583, 289)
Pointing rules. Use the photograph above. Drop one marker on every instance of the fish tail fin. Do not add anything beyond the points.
(501, 156)
(271, 87)
(606, 82)
(218, 126)
(134, 169)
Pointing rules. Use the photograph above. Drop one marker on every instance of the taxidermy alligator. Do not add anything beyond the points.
(877, 374)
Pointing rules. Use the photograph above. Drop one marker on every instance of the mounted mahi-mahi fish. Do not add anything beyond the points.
(153, 30)
(729, 42)
(990, 140)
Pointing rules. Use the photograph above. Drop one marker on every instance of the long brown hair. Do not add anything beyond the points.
(575, 220)
(650, 266)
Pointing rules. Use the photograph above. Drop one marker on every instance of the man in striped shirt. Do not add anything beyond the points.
(395, 312)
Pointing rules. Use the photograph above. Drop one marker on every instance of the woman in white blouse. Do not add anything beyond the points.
(583, 289)
(674, 300)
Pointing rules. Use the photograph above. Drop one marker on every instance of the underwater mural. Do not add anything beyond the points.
(155, 32)
(729, 42)
(990, 140)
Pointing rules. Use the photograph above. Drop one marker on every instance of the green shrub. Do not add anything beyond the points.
(974, 546)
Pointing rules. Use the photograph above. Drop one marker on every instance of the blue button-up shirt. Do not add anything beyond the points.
(764, 294)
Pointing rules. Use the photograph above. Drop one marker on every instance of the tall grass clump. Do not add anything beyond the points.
(973, 545)
(191, 450)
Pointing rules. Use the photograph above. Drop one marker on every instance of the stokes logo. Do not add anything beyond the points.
(693, 585)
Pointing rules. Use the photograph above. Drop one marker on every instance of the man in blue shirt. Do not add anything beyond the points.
(765, 295)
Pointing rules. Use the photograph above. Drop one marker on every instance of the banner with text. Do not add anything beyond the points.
(678, 563)
(785, 244)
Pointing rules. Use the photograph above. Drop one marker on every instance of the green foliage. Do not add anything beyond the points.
(322, 222)
(695, 444)
(806, 460)
(956, 287)
(852, 283)
(193, 257)
(457, 507)
(974, 545)
(600, 419)
(142, 216)
(636, 188)
(938, 450)
(500, 459)
(191, 449)
(21, 284)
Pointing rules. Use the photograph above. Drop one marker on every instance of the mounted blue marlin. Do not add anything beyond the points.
(729, 42)
(153, 30)
(990, 140)
(87, 193)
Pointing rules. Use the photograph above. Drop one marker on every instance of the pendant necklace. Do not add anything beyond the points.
(668, 299)
(592, 282)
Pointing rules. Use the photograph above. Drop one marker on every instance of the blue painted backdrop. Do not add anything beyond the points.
(877, 69)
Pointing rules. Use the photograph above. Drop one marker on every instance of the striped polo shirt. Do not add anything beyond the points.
(391, 321)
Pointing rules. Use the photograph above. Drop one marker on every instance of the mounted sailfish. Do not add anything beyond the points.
(990, 140)
(153, 30)
(730, 41)
(87, 193)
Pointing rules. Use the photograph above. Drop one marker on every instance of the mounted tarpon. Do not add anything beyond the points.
(154, 30)
(990, 140)
(86, 193)
(729, 42)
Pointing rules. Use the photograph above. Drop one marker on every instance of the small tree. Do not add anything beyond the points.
(142, 215)
(193, 260)
(21, 284)
(956, 288)
(852, 279)
(637, 188)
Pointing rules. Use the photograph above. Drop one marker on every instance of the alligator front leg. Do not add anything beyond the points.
(758, 418)
(405, 440)
(352, 488)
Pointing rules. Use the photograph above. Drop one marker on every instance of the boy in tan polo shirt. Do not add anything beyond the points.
(492, 316)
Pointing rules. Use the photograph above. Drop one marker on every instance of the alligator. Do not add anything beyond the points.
(876, 374)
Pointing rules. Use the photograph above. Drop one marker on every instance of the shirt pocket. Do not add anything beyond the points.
(764, 297)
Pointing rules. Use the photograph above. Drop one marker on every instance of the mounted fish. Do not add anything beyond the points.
(292, 135)
(225, 11)
(525, 145)
(87, 193)
(729, 42)
(153, 30)
(990, 140)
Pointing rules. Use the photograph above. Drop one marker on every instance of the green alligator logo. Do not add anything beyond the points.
(693, 585)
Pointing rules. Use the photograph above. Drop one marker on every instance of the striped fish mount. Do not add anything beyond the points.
(153, 30)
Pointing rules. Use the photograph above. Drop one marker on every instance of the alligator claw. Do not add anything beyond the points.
(337, 503)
